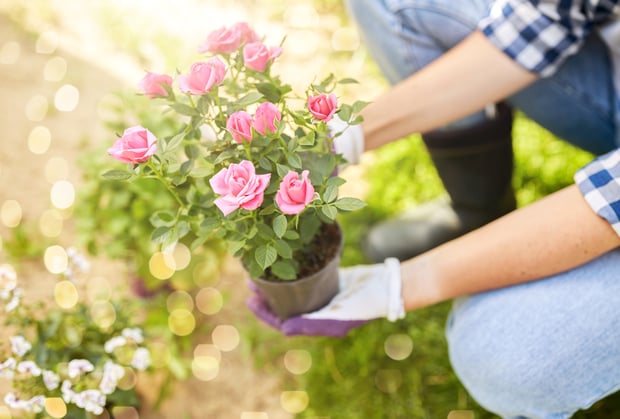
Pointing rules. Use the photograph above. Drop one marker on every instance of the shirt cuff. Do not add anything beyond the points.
(599, 182)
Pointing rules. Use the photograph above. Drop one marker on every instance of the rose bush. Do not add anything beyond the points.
(252, 163)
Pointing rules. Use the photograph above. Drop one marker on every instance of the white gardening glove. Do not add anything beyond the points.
(367, 292)
(348, 139)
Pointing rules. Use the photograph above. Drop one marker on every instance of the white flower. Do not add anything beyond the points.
(35, 404)
(115, 342)
(141, 359)
(8, 281)
(51, 380)
(7, 368)
(14, 301)
(111, 374)
(134, 334)
(90, 400)
(19, 345)
(67, 392)
(78, 367)
(29, 367)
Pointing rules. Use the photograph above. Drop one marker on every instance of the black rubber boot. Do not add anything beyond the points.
(475, 165)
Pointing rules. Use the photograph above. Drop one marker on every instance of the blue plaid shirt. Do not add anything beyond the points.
(541, 34)
(599, 182)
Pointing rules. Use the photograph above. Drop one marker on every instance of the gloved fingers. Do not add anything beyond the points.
(322, 327)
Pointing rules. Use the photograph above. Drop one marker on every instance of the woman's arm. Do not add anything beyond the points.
(553, 235)
(459, 83)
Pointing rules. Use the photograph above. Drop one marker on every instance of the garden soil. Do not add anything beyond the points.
(28, 170)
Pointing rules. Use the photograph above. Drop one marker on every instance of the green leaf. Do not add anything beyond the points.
(329, 212)
(264, 163)
(265, 256)
(116, 175)
(271, 92)
(335, 181)
(175, 141)
(160, 233)
(284, 269)
(234, 247)
(248, 99)
(183, 109)
(345, 112)
(349, 204)
(283, 249)
(162, 218)
(330, 194)
(348, 80)
(186, 167)
(282, 170)
(265, 231)
(359, 105)
(294, 160)
(279, 225)
(291, 235)
(308, 140)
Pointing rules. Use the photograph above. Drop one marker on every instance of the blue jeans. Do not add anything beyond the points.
(551, 347)
(578, 103)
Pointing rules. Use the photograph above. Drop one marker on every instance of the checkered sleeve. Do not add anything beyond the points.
(538, 35)
(599, 182)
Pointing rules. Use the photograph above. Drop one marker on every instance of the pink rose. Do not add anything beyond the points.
(223, 40)
(265, 118)
(136, 145)
(323, 106)
(239, 186)
(294, 193)
(152, 84)
(239, 124)
(246, 34)
(202, 77)
(257, 55)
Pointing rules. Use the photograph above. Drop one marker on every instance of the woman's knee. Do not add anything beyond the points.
(544, 349)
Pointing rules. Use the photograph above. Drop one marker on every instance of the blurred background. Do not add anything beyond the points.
(68, 76)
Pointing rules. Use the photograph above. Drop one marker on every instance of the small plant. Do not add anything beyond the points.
(63, 353)
(246, 166)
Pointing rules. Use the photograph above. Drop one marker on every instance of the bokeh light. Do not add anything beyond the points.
(56, 169)
(67, 98)
(39, 140)
(125, 412)
(50, 223)
(182, 256)
(11, 213)
(160, 353)
(297, 361)
(461, 414)
(179, 300)
(129, 380)
(205, 368)
(55, 407)
(398, 346)
(162, 265)
(36, 108)
(56, 259)
(47, 42)
(55, 69)
(62, 194)
(206, 349)
(65, 294)
(388, 380)
(207, 272)
(9, 53)
(103, 314)
(225, 337)
(294, 401)
(209, 301)
(181, 322)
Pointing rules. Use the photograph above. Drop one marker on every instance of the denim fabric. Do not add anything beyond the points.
(544, 349)
(578, 103)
